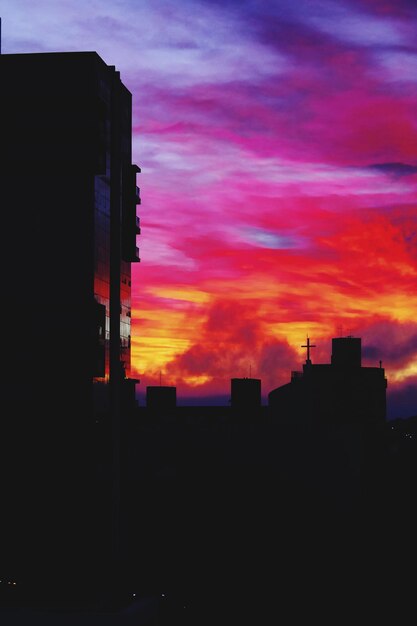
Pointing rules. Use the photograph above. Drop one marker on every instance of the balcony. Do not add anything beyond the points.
(137, 225)
(137, 195)
(137, 254)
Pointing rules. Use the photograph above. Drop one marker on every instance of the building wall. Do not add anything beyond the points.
(69, 192)
(65, 140)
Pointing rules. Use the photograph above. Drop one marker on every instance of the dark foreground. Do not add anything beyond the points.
(243, 524)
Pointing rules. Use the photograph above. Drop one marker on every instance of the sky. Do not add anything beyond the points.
(278, 148)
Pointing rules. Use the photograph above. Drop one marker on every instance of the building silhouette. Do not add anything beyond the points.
(161, 397)
(68, 197)
(337, 393)
(245, 393)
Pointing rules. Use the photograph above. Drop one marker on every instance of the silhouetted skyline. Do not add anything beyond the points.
(277, 146)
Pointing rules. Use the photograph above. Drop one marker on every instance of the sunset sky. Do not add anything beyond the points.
(278, 147)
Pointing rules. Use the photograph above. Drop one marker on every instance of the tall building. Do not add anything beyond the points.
(68, 209)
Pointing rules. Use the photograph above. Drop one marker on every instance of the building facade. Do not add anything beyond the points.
(68, 197)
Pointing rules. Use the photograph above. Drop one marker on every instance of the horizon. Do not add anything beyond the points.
(404, 407)
(279, 178)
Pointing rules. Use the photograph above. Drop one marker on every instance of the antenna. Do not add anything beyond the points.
(250, 370)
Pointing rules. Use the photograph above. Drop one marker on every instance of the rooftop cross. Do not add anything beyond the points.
(308, 346)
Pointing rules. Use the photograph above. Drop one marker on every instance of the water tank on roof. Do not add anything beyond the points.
(346, 352)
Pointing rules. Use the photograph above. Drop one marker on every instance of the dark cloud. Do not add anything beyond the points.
(293, 38)
(392, 342)
(402, 400)
(395, 169)
(399, 8)
(276, 361)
